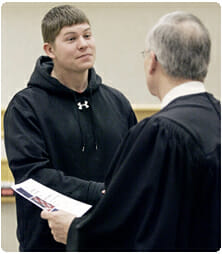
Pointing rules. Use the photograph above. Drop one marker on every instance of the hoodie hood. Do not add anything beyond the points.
(41, 78)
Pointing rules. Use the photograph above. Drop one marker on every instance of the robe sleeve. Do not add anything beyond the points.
(142, 206)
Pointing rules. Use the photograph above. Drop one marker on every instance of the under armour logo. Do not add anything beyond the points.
(81, 105)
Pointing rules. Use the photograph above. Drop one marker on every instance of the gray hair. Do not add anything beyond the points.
(182, 45)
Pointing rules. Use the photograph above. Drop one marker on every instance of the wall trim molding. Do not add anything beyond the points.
(145, 110)
(2, 117)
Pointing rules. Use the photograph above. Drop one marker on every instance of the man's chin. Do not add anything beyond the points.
(85, 67)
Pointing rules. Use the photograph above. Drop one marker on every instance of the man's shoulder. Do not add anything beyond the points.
(26, 97)
(171, 123)
(192, 119)
(114, 95)
(27, 91)
(190, 109)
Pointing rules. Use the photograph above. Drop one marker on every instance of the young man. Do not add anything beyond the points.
(163, 187)
(63, 129)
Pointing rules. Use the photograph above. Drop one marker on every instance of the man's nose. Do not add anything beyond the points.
(82, 43)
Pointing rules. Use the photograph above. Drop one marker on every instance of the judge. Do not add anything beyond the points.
(163, 186)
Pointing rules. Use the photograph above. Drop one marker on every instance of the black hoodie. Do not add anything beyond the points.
(64, 140)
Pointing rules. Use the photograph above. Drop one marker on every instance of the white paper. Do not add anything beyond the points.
(48, 199)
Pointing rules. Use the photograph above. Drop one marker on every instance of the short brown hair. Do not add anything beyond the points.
(58, 17)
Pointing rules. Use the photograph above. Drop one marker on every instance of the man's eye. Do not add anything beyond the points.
(87, 35)
(71, 39)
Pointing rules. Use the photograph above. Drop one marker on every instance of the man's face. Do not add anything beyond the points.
(146, 68)
(148, 72)
(74, 48)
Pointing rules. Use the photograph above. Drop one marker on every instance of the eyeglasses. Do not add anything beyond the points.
(144, 53)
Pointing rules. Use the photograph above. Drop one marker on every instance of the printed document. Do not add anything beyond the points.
(49, 199)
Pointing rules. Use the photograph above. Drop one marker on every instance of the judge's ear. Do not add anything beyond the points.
(49, 50)
(153, 62)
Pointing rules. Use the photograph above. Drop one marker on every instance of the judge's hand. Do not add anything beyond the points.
(59, 222)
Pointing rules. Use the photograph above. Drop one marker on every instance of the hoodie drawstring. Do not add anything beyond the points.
(87, 105)
(83, 143)
(93, 123)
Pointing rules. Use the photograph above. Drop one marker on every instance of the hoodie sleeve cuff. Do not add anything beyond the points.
(95, 192)
(72, 238)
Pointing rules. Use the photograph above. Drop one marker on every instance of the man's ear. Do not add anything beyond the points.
(48, 48)
(153, 62)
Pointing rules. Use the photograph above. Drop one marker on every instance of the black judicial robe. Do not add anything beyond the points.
(163, 186)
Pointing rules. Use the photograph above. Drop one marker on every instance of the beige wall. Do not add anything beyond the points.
(120, 30)
(8, 227)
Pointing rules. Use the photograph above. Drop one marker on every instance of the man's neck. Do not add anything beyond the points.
(77, 81)
(168, 84)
